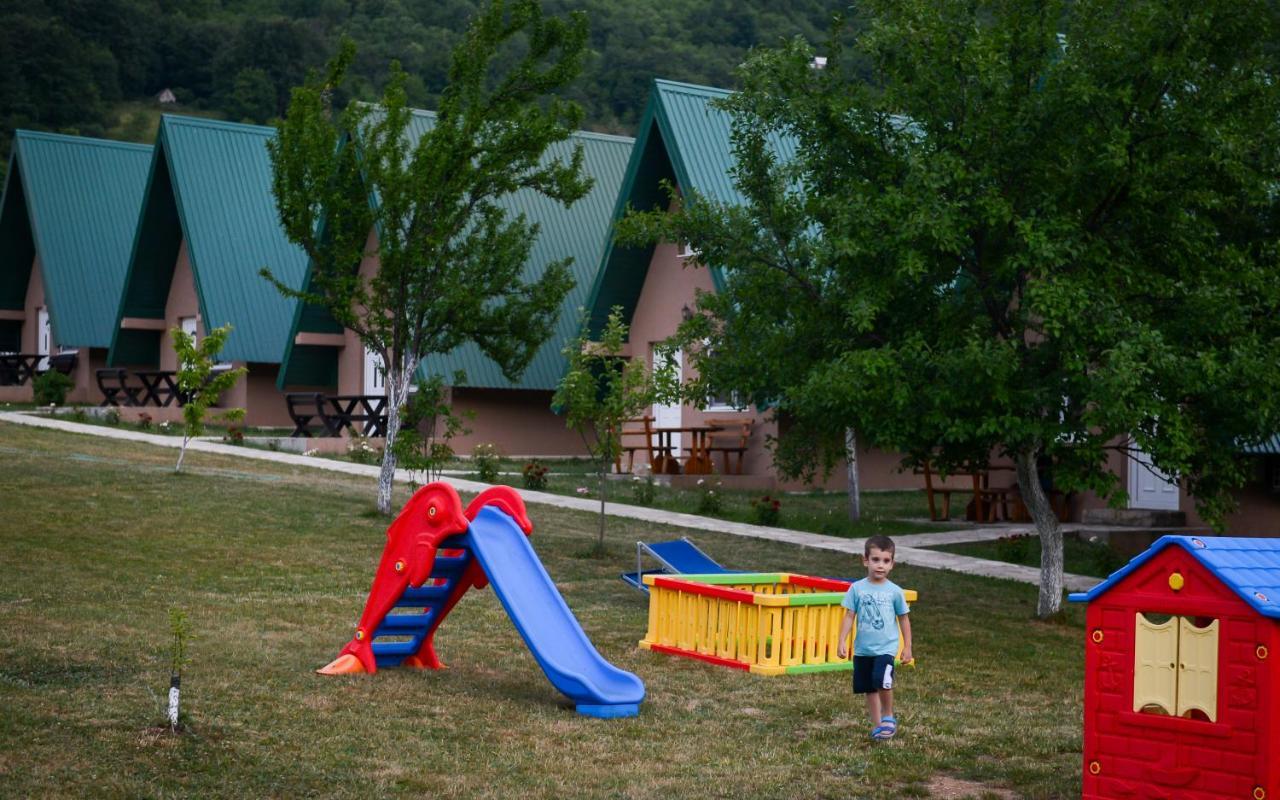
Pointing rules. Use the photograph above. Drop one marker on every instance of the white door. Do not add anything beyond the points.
(375, 377)
(1149, 487)
(44, 338)
(668, 416)
(188, 326)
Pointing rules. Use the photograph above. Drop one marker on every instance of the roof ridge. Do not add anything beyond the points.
(23, 133)
(694, 86)
(205, 122)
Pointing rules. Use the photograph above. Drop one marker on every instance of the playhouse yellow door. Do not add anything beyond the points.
(1155, 660)
(1198, 668)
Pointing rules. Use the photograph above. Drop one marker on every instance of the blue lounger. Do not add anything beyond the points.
(678, 556)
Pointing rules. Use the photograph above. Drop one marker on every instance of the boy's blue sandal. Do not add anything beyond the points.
(885, 730)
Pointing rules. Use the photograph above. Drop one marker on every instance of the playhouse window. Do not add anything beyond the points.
(1175, 666)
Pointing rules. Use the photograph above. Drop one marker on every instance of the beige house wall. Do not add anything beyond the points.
(182, 302)
(31, 305)
(519, 422)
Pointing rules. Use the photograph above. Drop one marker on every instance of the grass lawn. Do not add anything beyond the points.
(271, 564)
(1079, 557)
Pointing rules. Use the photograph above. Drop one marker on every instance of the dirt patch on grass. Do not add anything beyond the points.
(945, 787)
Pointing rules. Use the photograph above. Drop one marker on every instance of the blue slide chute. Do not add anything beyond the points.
(548, 627)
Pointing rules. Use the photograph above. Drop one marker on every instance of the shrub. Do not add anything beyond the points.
(710, 500)
(360, 451)
(486, 457)
(535, 475)
(50, 388)
(144, 421)
(1014, 549)
(643, 490)
(112, 417)
(768, 510)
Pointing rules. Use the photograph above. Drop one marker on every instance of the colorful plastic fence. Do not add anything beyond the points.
(771, 623)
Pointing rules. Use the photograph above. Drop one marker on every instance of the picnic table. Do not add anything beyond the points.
(697, 462)
(158, 387)
(369, 411)
(18, 368)
(990, 503)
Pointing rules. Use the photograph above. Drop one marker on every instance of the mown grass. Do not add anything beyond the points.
(1079, 557)
(271, 563)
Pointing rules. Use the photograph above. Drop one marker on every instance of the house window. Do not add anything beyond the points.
(1175, 666)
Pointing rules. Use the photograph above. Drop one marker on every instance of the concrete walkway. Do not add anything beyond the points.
(909, 547)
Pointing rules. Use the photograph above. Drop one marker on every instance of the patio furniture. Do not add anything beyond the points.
(116, 389)
(730, 439)
(64, 362)
(18, 368)
(309, 411)
(636, 435)
(988, 503)
(159, 388)
(666, 458)
(367, 411)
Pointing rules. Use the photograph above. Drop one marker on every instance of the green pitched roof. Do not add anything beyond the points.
(210, 184)
(683, 139)
(73, 202)
(580, 231)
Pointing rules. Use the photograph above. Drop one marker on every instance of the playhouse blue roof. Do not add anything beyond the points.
(1249, 566)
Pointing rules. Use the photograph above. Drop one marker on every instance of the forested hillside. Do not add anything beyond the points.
(94, 66)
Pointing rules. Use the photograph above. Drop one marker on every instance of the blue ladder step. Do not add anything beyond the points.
(402, 622)
(401, 649)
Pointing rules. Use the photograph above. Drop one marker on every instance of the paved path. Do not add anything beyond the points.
(909, 550)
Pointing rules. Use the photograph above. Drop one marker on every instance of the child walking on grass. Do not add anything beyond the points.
(880, 608)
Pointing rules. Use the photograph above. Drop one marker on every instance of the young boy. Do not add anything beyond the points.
(880, 609)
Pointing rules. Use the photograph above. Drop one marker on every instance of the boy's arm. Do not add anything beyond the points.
(904, 622)
(846, 627)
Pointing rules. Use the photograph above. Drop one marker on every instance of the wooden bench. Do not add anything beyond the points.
(309, 410)
(731, 441)
(972, 480)
(116, 389)
(64, 362)
(636, 435)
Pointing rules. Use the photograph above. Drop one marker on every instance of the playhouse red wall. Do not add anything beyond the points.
(1144, 756)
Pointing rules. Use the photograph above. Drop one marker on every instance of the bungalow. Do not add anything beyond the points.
(683, 139)
(66, 224)
(208, 225)
(514, 415)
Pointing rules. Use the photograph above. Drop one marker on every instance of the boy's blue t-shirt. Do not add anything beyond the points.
(877, 606)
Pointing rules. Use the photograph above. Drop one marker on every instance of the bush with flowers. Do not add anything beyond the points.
(535, 475)
(768, 510)
(710, 499)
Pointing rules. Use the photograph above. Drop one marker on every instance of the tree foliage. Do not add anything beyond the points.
(1045, 229)
(65, 65)
(601, 390)
(201, 382)
(451, 260)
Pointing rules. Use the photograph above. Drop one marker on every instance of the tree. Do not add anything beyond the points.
(599, 392)
(200, 384)
(1046, 229)
(451, 259)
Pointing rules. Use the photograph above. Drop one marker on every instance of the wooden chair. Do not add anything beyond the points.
(636, 435)
(987, 503)
(732, 441)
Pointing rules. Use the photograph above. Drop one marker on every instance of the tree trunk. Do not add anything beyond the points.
(1046, 521)
(399, 389)
(851, 468)
(182, 452)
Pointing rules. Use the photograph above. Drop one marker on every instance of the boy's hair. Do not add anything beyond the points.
(879, 542)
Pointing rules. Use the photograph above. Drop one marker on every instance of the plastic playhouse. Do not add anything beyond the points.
(1180, 686)
(767, 623)
(434, 553)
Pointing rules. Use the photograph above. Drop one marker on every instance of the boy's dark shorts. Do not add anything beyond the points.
(872, 673)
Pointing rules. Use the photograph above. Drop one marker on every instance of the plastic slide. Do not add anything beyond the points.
(545, 622)
(435, 552)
